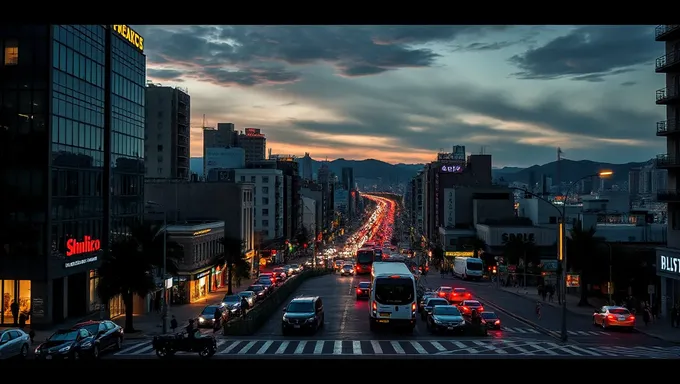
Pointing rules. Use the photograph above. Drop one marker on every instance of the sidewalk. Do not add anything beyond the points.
(660, 329)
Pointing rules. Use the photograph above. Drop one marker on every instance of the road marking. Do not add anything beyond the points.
(264, 347)
(376, 347)
(542, 349)
(419, 348)
(397, 348)
(246, 348)
(521, 349)
(301, 347)
(229, 348)
(282, 347)
(318, 347)
(591, 353)
(126, 350)
(142, 350)
(531, 330)
(459, 344)
(438, 346)
(356, 347)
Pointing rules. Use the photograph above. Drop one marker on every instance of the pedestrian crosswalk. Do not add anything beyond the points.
(527, 330)
(482, 347)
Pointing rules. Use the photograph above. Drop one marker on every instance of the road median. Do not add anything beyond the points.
(259, 315)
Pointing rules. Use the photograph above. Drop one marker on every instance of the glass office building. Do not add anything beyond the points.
(71, 142)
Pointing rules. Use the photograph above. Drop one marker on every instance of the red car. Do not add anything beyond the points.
(467, 306)
(459, 294)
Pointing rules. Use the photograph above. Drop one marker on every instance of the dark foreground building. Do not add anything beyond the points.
(71, 155)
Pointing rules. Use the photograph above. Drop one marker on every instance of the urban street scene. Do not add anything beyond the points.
(293, 192)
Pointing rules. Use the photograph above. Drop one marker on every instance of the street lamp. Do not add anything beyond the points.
(164, 312)
(610, 286)
(563, 243)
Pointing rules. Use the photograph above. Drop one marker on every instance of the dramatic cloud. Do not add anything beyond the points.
(401, 93)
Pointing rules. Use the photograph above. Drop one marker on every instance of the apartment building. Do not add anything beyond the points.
(224, 136)
(267, 200)
(254, 143)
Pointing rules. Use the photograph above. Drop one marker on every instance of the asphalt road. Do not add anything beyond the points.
(580, 328)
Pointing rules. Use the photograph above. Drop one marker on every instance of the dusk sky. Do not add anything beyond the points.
(402, 93)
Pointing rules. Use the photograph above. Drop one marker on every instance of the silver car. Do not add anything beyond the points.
(13, 343)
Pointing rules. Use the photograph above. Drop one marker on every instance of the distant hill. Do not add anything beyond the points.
(570, 170)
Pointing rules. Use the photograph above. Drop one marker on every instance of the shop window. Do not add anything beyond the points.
(8, 297)
(11, 52)
(94, 297)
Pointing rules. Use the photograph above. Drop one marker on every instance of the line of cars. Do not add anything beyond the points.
(449, 309)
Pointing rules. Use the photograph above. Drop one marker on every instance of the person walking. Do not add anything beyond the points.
(173, 324)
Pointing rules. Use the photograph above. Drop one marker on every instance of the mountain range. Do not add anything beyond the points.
(373, 169)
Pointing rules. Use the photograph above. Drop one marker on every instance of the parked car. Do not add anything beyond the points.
(71, 344)
(108, 335)
(14, 343)
(259, 289)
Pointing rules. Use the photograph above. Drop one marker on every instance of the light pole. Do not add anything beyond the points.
(610, 286)
(562, 240)
(164, 310)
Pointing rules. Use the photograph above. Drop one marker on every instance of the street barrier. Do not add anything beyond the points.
(259, 315)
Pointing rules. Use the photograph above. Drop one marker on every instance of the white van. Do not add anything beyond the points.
(393, 300)
(468, 268)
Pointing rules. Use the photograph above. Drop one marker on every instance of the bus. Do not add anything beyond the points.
(392, 300)
(364, 260)
(468, 268)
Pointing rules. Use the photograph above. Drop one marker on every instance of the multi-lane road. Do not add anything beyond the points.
(346, 332)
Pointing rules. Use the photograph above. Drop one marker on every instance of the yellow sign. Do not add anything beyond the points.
(459, 253)
(130, 35)
(202, 232)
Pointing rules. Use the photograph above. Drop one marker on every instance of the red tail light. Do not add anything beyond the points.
(631, 318)
(358, 290)
(611, 317)
(480, 309)
(468, 295)
(498, 322)
(442, 294)
(375, 306)
(465, 309)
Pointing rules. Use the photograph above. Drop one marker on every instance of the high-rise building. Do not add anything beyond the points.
(645, 180)
(634, 181)
(166, 143)
(79, 91)
(306, 167)
(254, 142)
(224, 136)
(668, 258)
(348, 185)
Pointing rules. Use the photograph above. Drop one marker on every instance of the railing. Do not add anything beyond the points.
(668, 195)
(665, 29)
(665, 94)
(666, 126)
(665, 160)
(667, 60)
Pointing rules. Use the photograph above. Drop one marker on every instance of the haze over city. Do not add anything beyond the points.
(401, 93)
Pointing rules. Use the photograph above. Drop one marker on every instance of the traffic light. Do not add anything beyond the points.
(304, 245)
(494, 271)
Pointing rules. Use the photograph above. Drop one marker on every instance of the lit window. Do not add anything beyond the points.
(11, 53)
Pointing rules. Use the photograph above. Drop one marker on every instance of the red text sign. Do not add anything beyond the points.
(75, 247)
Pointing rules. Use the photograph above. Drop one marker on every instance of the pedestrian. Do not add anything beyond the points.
(22, 320)
(244, 306)
(646, 315)
(538, 310)
(655, 311)
(173, 324)
(551, 293)
(31, 335)
(14, 308)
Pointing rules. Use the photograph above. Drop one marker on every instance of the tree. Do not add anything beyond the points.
(516, 249)
(583, 243)
(438, 255)
(233, 255)
(149, 236)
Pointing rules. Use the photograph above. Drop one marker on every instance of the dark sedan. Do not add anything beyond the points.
(492, 321)
(429, 304)
(108, 335)
(267, 283)
(445, 318)
(259, 289)
(363, 289)
(421, 303)
(69, 344)
(207, 317)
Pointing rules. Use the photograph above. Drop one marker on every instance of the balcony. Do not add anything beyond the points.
(668, 95)
(669, 62)
(667, 32)
(668, 196)
(666, 127)
(665, 161)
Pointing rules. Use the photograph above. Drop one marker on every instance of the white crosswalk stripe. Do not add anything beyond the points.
(520, 330)
(480, 347)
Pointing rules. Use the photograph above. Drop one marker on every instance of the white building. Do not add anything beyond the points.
(224, 158)
(309, 214)
(268, 199)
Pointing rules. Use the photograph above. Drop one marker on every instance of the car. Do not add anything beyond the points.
(206, 319)
(259, 290)
(491, 320)
(363, 289)
(303, 313)
(280, 273)
(430, 303)
(444, 292)
(107, 334)
(297, 268)
(614, 317)
(67, 344)
(290, 270)
(459, 294)
(337, 265)
(267, 282)
(347, 270)
(251, 297)
(167, 345)
(308, 263)
(14, 343)
(232, 303)
(423, 299)
(467, 306)
(445, 318)
(268, 275)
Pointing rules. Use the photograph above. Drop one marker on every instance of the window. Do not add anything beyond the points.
(265, 212)
(265, 179)
(160, 148)
(252, 179)
(160, 170)
(243, 179)
(265, 223)
(160, 159)
(265, 200)
(265, 190)
(11, 52)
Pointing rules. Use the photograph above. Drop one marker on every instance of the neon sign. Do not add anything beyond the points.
(452, 168)
(75, 247)
(130, 35)
(254, 132)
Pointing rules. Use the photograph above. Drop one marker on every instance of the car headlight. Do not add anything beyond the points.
(201, 320)
(87, 345)
(462, 322)
(437, 321)
(234, 309)
(311, 319)
(65, 349)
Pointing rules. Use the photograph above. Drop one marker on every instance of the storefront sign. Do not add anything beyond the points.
(168, 283)
(549, 265)
(573, 281)
(80, 262)
(130, 35)
(670, 264)
(201, 275)
(75, 247)
(526, 237)
(179, 279)
(459, 253)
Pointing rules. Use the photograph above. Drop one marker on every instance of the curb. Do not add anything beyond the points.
(521, 319)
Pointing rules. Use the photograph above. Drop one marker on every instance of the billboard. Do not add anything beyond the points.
(449, 207)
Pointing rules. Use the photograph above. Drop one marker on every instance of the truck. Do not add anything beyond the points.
(393, 299)
(468, 268)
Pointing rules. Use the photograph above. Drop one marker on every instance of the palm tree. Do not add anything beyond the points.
(125, 271)
(583, 243)
(233, 255)
(150, 238)
(515, 248)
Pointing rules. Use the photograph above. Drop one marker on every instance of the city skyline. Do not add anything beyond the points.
(400, 94)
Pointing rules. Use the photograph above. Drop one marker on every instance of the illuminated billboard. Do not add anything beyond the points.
(451, 169)
(130, 35)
